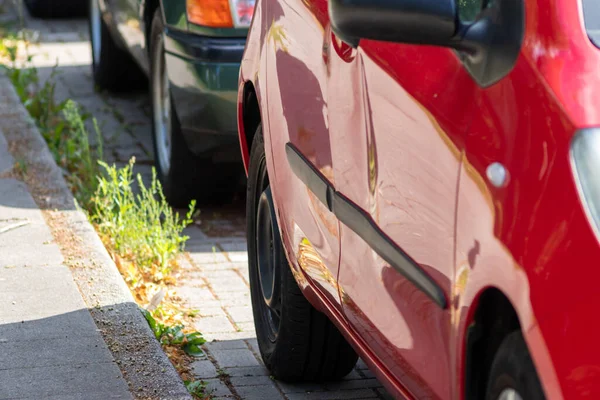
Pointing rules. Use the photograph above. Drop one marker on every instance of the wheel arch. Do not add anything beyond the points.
(249, 117)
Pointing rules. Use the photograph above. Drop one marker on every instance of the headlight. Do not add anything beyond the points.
(585, 160)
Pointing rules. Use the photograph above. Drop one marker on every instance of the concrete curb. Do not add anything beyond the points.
(144, 365)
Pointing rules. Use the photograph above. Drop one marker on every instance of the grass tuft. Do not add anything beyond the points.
(141, 228)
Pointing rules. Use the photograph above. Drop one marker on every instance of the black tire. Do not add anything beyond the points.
(299, 343)
(56, 8)
(513, 368)
(114, 69)
(189, 177)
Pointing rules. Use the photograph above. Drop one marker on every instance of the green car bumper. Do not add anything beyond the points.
(203, 73)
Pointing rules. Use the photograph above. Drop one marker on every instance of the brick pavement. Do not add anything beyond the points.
(215, 280)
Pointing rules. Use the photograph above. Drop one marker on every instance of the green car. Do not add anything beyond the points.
(190, 51)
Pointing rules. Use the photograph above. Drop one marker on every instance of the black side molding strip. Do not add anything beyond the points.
(308, 174)
(363, 225)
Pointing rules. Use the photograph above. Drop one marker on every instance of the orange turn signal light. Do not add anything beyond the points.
(211, 13)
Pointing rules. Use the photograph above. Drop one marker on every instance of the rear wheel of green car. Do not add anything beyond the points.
(296, 342)
(183, 175)
(112, 67)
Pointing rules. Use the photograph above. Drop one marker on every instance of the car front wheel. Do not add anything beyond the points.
(296, 342)
(513, 375)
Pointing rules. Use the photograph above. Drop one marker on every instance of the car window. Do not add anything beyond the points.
(469, 9)
(591, 15)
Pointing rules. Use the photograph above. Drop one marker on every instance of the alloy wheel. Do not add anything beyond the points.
(268, 245)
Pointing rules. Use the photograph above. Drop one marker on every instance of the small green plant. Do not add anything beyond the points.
(20, 167)
(61, 123)
(175, 336)
(70, 143)
(142, 227)
(222, 373)
(196, 388)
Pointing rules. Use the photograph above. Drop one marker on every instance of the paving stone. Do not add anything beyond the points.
(79, 81)
(80, 52)
(288, 388)
(232, 335)
(60, 37)
(234, 299)
(259, 370)
(142, 132)
(240, 314)
(245, 274)
(260, 392)
(125, 154)
(354, 374)
(383, 394)
(226, 345)
(204, 311)
(246, 326)
(253, 343)
(215, 387)
(367, 373)
(353, 384)
(205, 253)
(213, 324)
(225, 285)
(235, 358)
(195, 234)
(334, 395)
(204, 369)
(251, 380)
(223, 273)
(196, 294)
(360, 364)
(236, 251)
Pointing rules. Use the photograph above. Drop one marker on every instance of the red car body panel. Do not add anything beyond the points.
(406, 135)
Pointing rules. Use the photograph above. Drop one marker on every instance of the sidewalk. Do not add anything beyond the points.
(69, 327)
(50, 346)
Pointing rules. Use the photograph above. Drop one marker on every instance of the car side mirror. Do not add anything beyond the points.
(401, 21)
(489, 45)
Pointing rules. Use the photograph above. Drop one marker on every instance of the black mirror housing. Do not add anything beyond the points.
(488, 46)
(403, 21)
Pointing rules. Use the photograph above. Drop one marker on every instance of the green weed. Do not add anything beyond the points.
(175, 336)
(197, 388)
(141, 227)
(69, 141)
(60, 123)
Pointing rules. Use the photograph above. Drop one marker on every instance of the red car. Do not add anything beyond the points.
(424, 191)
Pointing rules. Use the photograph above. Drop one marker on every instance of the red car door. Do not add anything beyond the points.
(297, 118)
(398, 115)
